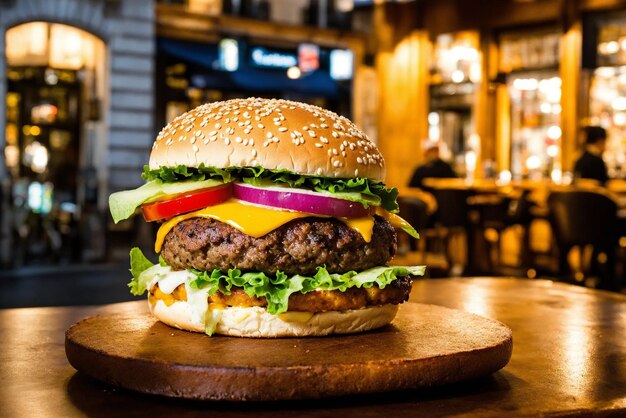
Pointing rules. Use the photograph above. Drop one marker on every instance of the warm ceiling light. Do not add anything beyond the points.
(294, 72)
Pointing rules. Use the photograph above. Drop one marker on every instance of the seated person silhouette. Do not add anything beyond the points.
(433, 166)
(590, 164)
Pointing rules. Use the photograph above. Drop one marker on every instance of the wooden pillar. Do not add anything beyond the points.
(503, 128)
(402, 63)
(571, 49)
(485, 108)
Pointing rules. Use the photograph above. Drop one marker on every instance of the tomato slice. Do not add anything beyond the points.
(186, 202)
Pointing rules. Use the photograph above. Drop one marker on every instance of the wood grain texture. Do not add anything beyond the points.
(426, 345)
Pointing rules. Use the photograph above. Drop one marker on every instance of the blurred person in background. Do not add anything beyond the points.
(433, 166)
(590, 164)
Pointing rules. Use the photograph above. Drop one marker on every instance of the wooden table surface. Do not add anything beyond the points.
(569, 358)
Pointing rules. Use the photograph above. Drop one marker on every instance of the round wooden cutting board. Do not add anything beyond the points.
(426, 345)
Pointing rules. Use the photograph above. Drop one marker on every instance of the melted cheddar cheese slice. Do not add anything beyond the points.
(257, 221)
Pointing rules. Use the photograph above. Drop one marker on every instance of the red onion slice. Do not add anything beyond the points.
(299, 200)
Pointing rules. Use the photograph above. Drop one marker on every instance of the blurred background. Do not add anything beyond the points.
(498, 90)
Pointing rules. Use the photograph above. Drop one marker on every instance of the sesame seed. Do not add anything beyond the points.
(206, 141)
(305, 128)
(227, 141)
(227, 120)
(245, 142)
(312, 134)
(269, 135)
(317, 144)
(193, 139)
(251, 142)
(261, 126)
(195, 148)
(235, 119)
(253, 152)
(356, 172)
(337, 163)
(169, 141)
(238, 140)
(218, 125)
(335, 134)
(282, 129)
(213, 137)
(343, 153)
(323, 125)
(335, 152)
(359, 160)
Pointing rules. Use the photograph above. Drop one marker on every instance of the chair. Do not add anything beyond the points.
(489, 216)
(414, 211)
(451, 219)
(584, 218)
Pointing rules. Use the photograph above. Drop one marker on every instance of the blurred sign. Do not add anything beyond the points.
(229, 55)
(40, 197)
(266, 58)
(341, 64)
(308, 57)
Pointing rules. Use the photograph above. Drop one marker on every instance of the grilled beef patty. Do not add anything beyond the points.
(297, 247)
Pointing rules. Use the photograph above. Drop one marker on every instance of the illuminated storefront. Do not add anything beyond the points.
(76, 99)
(455, 75)
(529, 68)
(607, 90)
(192, 73)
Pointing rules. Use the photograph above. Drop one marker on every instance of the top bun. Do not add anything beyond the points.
(269, 133)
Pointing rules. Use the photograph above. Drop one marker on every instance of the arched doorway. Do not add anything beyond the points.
(55, 79)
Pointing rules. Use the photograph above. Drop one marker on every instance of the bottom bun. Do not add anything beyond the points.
(258, 323)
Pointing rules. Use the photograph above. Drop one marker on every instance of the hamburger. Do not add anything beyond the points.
(274, 221)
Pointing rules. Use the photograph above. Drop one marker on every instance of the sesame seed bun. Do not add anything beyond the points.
(269, 133)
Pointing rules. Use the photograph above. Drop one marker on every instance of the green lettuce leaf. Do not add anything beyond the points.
(365, 190)
(277, 289)
(411, 231)
(138, 264)
(123, 204)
